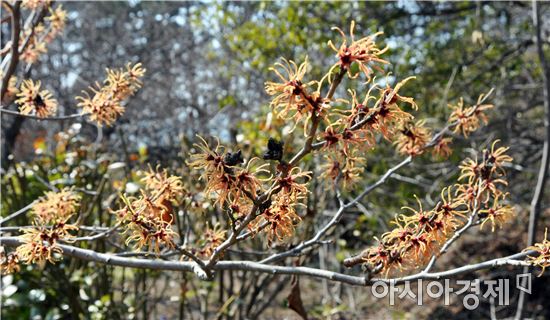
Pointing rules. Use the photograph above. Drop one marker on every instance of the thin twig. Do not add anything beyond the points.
(17, 213)
(57, 118)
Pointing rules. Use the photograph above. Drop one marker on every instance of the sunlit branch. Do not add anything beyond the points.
(188, 266)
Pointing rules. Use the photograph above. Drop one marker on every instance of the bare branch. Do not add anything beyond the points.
(14, 57)
(30, 116)
(17, 213)
(188, 266)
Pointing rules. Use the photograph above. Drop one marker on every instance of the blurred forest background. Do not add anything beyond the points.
(206, 67)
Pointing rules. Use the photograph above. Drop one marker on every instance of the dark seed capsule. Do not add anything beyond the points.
(39, 102)
(264, 206)
(233, 159)
(274, 150)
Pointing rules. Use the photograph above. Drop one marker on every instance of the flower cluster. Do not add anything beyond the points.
(148, 219)
(294, 99)
(9, 262)
(163, 185)
(352, 131)
(35, 40)
(41, 243)
(344, 131)
(468, 119)
(442, 148)
(105, 104)
(542, 258)
(211, 239)
(418, 236)
(57, 19)
(50, 218)
(347, 133)
(224, 177)
(32, 100)
(148, 222)
(280, 216)
(34, 4)
(363, 52)
(56, 207)
(483, 179)
(412, 138)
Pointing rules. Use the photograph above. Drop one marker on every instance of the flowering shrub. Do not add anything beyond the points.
(419, 236)
(266, 195)
(105, 104)
(40, 242)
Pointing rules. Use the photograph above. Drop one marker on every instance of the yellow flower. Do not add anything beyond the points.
(40, 243)
(289, 183)
(159, 182)
(281, 217)
(348, 167)
(497, 158)
(468, 119)
(442, 148)
(224, 177)
(211, 239)
(288, 92)
(497, 214)
(412, 138)
(57, 19)
(9, 263)
(376, 257)
(208, 159)
(148, 221)
(56, 207)
(124, 83)
(246, 178)
(32, 100)
(541, 260)
(488, 173)
(50, 214)
(240, 207)
(134, 74)
(364, 52)
(38, 248)
(449, 206)
(398, 235)
(34, 50)
(102, 108)
(292, 99)
(387, 114)
(35, 4)
(105, 106)
(419, 220)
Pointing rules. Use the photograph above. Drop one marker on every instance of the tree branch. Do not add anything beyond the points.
(188, 266)
(14, 58)
(58, 118)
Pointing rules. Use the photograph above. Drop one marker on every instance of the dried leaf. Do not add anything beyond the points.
(295, 300)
